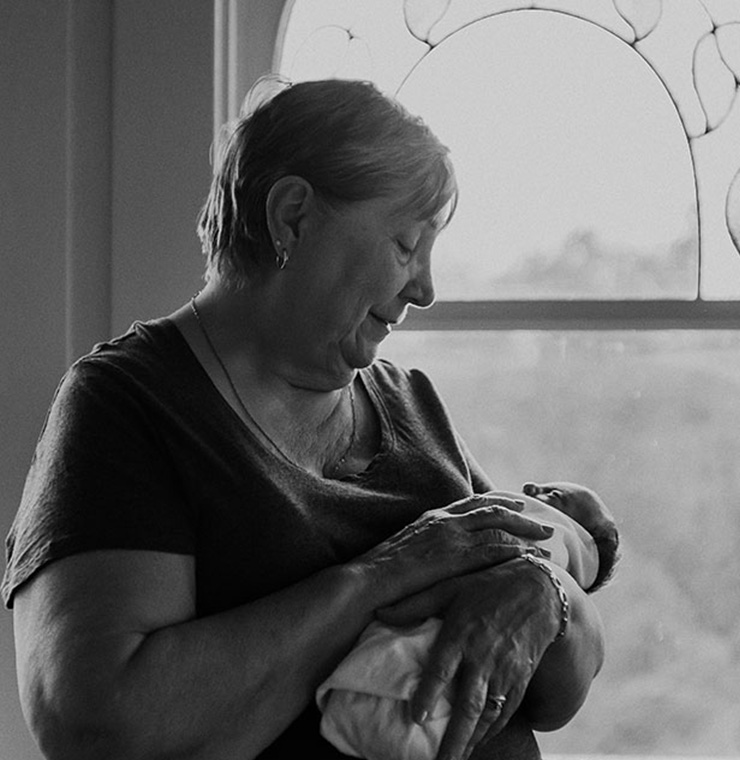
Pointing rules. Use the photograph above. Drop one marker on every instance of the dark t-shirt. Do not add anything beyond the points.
(140, 451)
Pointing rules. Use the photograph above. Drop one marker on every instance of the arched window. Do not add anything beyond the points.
(588, 322)
(600, 136)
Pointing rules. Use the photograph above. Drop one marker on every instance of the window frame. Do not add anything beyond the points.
(577, 315)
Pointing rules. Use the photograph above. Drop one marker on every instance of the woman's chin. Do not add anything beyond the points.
(358, 356)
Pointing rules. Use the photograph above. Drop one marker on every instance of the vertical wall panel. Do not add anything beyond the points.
(32, 273)
(97, 214)
(108, 117)
(162, 131)
(88, 201)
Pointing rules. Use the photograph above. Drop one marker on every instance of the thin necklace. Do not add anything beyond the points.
(335, 467)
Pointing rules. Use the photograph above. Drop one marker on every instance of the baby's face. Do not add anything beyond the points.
(579, 503)
(586, 508)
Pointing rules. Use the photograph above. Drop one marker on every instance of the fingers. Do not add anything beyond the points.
(495, 512)
(467, 677)
(498, 516)
(478, 500)
(480, 708)
(511, 522)
(438, 675)
(496, 546)
(499, 709)
(494, 717)
(535, 489)
(538, 489)
(470, 709)
(550, 493)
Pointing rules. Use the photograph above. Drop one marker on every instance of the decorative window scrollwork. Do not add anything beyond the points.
(694, 55)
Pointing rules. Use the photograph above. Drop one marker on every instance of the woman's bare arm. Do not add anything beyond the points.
(113, 663)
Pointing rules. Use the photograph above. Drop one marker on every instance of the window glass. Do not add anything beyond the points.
(586, 192)
(650, 420)
(597, 144)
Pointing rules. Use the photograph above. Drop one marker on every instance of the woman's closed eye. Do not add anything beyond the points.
(405, 251)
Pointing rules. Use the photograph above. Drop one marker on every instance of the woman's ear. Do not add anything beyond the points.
(288, 203)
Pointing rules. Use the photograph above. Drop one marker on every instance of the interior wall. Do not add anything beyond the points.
(159, 136)
(108, 115)
(32, 272)
(163, 128)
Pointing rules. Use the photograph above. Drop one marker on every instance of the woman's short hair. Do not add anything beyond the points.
(344, 137)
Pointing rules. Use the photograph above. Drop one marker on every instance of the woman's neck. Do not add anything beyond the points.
(308, 425)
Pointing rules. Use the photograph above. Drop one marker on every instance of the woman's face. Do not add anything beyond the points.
(349, 281)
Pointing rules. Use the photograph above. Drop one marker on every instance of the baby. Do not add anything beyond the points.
(364, 700)
(586, 508)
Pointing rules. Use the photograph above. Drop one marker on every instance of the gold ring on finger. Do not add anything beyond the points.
(496, 702)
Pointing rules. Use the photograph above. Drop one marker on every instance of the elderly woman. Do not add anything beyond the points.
(223, 499)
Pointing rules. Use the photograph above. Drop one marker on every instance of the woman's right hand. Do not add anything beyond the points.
(475, 532)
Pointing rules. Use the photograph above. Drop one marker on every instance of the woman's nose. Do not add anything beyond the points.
(419, 289)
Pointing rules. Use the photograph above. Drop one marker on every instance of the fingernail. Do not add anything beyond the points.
(520, 502)
(548, 529)
(422, 718)
(546, 553)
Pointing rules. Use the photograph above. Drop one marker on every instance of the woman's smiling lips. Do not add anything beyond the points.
(385, 325)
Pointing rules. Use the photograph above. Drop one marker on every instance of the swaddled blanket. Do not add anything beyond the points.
(365, 700)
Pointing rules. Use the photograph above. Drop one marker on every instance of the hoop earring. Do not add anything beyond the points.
(281, 255)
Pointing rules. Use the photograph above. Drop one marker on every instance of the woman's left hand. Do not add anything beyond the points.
(497, 625)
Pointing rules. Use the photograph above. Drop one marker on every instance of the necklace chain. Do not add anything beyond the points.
(353, 432)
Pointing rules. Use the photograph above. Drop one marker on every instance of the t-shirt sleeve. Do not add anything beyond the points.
(478, 477)
(438, 414)
(99, 479)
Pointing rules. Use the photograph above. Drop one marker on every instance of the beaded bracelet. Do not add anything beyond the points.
(562, 596)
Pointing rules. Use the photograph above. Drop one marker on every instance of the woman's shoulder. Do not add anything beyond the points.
(149, 363)
(407, 388)
(391, 375)
(142, 342)
(146, 348)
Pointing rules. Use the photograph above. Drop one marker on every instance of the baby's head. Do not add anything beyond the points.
(588, 510)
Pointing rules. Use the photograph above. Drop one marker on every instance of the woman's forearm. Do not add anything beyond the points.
(565, 673)
(235, 681)
(114, 663)
(222, 686)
